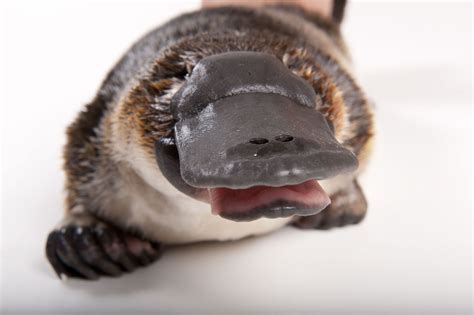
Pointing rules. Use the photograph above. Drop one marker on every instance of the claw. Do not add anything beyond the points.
(89, 252)
(115, 248)
(68, 255)
(59, 267)
(142, 250)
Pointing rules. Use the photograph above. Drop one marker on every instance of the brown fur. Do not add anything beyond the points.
(148, 103)
(144, 108)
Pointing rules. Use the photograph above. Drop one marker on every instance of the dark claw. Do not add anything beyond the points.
(59, 267)
(67, 253)
(91, 252)
(147, 254)
(115, 248)
(157, 250)
(144, 259)
(157, 247)
(152, 250)
(142, 250)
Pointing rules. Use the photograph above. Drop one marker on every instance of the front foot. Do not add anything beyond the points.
(347, 207)
(89, 249)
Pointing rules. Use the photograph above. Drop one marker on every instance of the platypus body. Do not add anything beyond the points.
(221, 124)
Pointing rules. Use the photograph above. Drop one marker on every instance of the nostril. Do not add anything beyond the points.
(258, 141)
(284, 138)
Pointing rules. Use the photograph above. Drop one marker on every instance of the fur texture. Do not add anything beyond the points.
(110, 163)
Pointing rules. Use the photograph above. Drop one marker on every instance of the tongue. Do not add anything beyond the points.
(264, 201)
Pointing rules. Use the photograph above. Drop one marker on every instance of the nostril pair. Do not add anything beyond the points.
(281, 138)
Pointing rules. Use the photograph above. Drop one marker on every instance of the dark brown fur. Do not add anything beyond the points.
(265, 35)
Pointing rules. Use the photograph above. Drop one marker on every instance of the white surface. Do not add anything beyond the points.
(413, 251)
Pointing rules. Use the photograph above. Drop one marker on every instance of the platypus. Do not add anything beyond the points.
(221, 124)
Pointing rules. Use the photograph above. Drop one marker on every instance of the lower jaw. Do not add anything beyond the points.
(273, 207)
(277, 209)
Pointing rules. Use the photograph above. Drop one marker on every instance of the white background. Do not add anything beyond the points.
(411, 254)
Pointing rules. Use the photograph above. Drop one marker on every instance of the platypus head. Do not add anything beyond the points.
(248, 140)
(253, 132)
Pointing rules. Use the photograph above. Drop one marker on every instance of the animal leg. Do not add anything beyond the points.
(348, 206)
(83, 246)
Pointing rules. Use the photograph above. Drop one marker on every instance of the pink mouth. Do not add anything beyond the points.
(264, 201)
